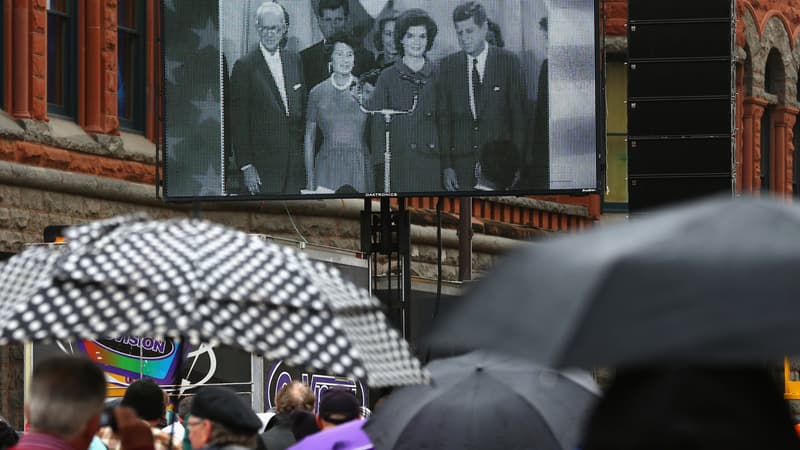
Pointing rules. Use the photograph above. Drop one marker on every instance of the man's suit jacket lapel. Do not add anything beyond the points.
(463, 81)
(266, 76)
(292, 79)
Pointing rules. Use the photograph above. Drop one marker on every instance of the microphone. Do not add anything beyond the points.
(412, 79)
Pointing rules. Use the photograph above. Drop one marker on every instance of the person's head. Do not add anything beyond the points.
(691, 408)
(336, 407)
(220, 417)
(8, 437)
(471, 25)
(384, 38)
(343, 53)
(332, 16)
(294, 396)
(66, 399)
(494, 35)
(184, 407)
(304, 423)
(415, 32)
(147, 399)
(272, 23)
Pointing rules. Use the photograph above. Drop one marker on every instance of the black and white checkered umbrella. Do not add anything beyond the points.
(190, 278)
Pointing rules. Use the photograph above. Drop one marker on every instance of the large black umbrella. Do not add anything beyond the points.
(714, 281)
(190, 278)
(483, 401)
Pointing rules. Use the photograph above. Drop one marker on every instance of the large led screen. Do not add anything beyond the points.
(352, 98)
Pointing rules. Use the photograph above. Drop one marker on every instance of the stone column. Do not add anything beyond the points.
(782, 121)
(752, 110)
(98, 67)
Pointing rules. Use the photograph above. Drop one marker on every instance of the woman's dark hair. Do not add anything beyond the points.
(378, 41)
(412, 18)
(498, 34)
(341, 38)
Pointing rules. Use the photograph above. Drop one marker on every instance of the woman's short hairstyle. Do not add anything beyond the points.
(342, 38)
(379, 35)
(412, 18)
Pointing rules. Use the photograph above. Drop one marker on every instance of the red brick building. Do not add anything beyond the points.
(767, 57)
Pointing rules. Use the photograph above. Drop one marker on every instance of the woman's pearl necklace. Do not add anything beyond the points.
(344, 86)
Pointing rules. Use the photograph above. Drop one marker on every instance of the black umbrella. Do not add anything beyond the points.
(715, 281)
(482, 401)
(190, 278)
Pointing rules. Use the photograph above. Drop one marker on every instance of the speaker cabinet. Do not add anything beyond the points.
(679, 117)
(647, 193)
(669, 78)
(651, 157)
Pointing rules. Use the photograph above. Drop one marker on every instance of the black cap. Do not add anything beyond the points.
(226, 407)
(338, 406)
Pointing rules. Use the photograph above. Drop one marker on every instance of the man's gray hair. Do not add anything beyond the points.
(66, 392)
(272, 6)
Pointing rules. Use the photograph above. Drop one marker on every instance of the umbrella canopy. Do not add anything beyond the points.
(713, 281)
(185, 277)
(479, 401)
(347, 436)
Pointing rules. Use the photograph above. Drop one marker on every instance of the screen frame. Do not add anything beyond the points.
(162, 159)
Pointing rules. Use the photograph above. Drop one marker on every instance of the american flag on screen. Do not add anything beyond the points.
(194, 162)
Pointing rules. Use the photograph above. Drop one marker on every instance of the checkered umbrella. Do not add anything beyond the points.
(190, 278)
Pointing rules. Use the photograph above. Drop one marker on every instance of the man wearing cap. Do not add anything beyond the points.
(220, 419)
(336, 407)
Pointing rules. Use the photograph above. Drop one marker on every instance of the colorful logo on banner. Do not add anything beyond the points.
(281, 374)
(135, 357)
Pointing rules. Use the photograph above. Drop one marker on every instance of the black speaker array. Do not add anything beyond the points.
(680, 100)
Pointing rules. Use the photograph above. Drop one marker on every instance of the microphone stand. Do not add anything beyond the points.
(388, 115)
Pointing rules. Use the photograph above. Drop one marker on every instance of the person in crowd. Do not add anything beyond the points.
(337, 406)
(292, 397)
(481, 98)
(220, 420)
(8, 436)
(332, 17)
(304, 424)
(267, 100)
(148, 400)
(64, 406)
(660, 408)
(384, 42)
(333, 108)
(415, 151)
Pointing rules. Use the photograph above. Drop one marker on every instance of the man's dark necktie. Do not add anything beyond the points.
(476, 85)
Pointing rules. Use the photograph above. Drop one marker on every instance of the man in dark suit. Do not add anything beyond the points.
(481, 99)
(267, 101)
(332, 16)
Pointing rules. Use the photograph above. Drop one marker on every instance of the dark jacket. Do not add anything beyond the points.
(501, 112)
(261, 133)
(279, 436)
(415, 152)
